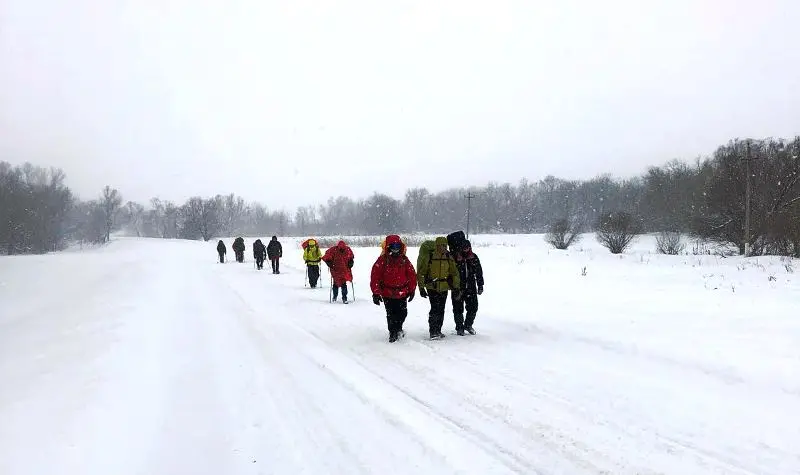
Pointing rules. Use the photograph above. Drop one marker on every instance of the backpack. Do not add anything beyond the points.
(456, 240)
(425, 254)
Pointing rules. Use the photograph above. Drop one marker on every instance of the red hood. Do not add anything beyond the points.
(393, 239)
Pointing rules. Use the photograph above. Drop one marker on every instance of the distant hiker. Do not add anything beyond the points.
(393, 281)
(312, 257)
(339, 260)
(471, 274)
(259, 253)
(221, 250)
(238, 248)
(436, 274)
(274, 253)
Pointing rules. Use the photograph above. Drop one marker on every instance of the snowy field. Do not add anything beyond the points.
(148, 357)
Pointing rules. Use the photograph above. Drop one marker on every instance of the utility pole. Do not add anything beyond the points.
(469, 205)
(747, 197)
(747, 202)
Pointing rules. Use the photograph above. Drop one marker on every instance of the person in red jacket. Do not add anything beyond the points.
(393, 282)
(340, 262)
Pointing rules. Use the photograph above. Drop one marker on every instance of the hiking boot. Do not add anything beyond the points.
(392, 337)
(470, 330)
(460, 332)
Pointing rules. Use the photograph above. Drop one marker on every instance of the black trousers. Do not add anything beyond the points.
(260, 262)
(436, 315)
(239, 256)
(396, 313)
(221, 257)
(470, 300)
(313, 275)
(344, 291)
(276, 266)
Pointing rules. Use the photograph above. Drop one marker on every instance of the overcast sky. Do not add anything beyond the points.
(290, 102)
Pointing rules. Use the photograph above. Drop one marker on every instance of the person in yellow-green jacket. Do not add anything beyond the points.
(312, 256)
(436, 275)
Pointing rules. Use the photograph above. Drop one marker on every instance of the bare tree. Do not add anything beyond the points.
(563, 233)
(34, 209)
(110, 202)
(134, 215)
(774, 180)
(616, 231)
(670, 242)
(233, 210)
(201, 218)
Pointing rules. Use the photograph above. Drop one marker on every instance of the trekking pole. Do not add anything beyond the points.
(330, 292)
(305, 281)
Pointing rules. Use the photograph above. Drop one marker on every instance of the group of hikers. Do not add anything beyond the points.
(272, 251)
(445, 266)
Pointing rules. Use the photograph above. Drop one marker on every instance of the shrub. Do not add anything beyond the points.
(616, 231)
(563, 233)
(670, 242)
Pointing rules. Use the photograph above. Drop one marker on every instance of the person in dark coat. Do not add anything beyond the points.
(238, 248)
(259, 253)
(274, 253)
(471, 273)
(221, 250)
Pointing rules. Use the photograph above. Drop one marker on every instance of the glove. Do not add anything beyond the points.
(376, 299)
(423, 293)
(411, 296)
(350, 264)
(480, 290)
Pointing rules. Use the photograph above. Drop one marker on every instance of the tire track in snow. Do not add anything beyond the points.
(286, 340)
(605, 420)
(458, 425)
(631, 428)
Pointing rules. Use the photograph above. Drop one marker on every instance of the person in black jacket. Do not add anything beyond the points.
(274, 253)
(221, 250)
(259, 253)
(471, 273)
(238, 248)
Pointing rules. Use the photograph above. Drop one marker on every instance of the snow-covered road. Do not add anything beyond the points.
(147, 357)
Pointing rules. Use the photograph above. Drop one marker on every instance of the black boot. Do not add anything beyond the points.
(459, 319)
(468, 323)
(392, 337)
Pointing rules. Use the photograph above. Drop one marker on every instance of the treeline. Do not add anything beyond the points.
(705, 199)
